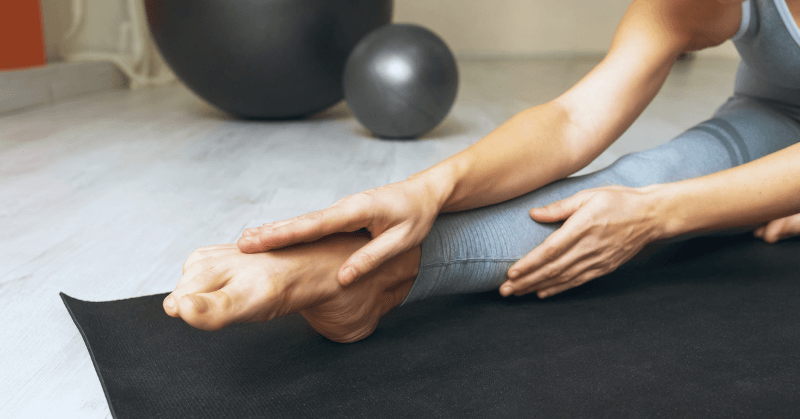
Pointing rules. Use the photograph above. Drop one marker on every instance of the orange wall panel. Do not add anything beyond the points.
(21, 35)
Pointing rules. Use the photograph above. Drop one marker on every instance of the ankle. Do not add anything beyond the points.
(400, 273)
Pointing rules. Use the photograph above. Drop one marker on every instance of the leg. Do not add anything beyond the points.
(471, 251)
(465, 252)
(221, 286)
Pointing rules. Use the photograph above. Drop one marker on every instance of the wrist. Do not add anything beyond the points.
(439, 182)
(665, 200)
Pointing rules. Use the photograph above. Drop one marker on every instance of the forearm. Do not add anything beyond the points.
(554, 140)
(548, 142)
(750, 194)
(526, 152)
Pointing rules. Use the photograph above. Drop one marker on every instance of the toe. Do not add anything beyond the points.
(209, 252)
(203, 282)
(207, 311)
(170, 306)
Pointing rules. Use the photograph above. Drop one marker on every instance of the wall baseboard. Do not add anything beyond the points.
(512, 56)
(23, 89)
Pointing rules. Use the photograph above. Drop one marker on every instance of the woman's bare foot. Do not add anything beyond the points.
(779, 229)
(220, 285)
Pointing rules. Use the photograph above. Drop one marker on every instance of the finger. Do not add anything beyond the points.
(254, 231)
(588, 270)
(307, 228)
(557, 272)
(549, 251)
(546, 274)
(792, 227)
(281, 223)
(759, 232)
(370, 256)
(774, 231)
(559, 210)
(580, 280)
(564, 277)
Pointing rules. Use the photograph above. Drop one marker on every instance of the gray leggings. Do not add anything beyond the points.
(471, 251)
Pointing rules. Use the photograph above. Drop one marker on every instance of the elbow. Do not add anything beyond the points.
(579, 144)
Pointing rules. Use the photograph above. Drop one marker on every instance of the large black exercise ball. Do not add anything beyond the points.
(272, 59)
(400, 81)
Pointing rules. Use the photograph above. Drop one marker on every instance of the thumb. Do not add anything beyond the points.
(559, 210)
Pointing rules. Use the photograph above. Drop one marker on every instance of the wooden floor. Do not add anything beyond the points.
(103, 197)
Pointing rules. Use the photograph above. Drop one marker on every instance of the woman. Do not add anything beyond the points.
(464, 225)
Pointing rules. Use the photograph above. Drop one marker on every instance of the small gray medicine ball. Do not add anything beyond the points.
(400, 81)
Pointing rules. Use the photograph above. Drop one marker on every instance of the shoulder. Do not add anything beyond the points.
(696, 24)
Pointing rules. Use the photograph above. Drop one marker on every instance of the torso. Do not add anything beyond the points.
(794, 7)
(769, 45)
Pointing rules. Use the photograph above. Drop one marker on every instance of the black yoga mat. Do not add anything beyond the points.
(705, 328)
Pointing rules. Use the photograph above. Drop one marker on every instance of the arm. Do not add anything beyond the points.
(536, 147)
(750, 194)
(607, 226)
(551, 141)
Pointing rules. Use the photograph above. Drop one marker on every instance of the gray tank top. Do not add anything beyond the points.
(769, 43)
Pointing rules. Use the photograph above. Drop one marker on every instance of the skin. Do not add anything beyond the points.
(328, 280)
(221, 285)
(782, 228)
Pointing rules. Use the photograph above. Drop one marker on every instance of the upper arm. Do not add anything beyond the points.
(690, 24)
(670, 26)
(704, 23)
(648, 40)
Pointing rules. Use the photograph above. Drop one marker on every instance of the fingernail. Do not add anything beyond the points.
(169, 302)
(513, 274)
(200, 304)
(506, 291)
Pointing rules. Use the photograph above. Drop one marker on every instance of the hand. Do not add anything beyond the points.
(604, 228)
(779, 229)
(398, 216)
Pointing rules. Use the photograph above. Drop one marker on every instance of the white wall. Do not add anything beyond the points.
(56, 20)
(470, 27)
(517, 27)
(522, 27)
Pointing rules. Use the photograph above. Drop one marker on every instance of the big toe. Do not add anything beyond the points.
(207, 311)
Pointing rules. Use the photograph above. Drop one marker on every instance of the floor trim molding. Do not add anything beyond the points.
(23, 89)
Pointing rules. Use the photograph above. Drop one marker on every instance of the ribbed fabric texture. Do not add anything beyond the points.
(471, 251)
